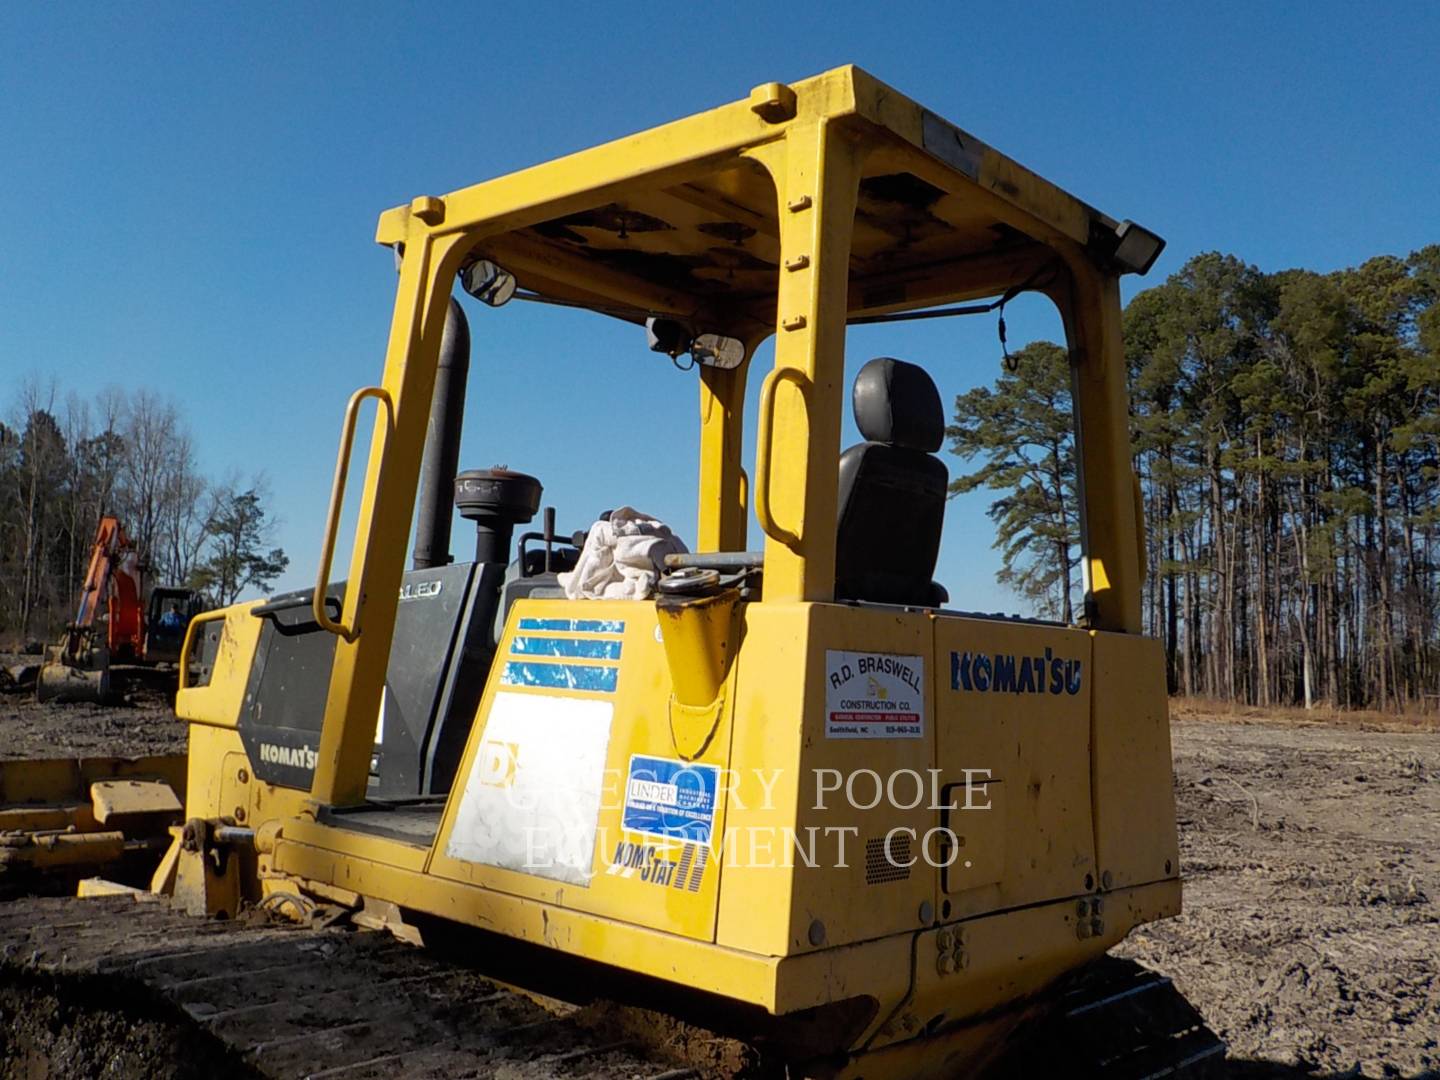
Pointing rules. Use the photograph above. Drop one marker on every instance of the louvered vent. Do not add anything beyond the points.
(878, 869)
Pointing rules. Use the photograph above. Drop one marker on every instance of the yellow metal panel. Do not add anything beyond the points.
(352, 844)
(222, 783)
(1135, 836)
(756, 902)
(643, 951)
(976, 855)
(635, 877)
(947, 1025)
(1006, 708)
(788, 812)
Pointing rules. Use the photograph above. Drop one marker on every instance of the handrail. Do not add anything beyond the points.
(762, 452)
(332, 519)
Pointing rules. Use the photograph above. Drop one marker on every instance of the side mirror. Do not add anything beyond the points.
(488, 283)
(673, 338)
(718, 351)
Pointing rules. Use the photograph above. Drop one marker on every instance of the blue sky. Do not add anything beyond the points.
(190, 196)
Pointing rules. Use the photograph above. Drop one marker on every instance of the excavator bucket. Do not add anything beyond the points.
(61, 682)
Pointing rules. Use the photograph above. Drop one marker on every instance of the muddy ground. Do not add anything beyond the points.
(1311, 936)
(139, 719)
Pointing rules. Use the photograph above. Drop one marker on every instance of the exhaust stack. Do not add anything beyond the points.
(442, 443)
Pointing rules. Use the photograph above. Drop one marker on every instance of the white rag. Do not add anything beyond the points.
(622, 558)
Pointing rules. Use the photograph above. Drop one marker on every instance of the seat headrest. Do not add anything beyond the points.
(897, 403)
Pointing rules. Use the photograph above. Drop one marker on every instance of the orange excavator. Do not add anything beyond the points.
(114, 622)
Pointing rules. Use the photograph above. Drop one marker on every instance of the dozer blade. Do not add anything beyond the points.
(63, 819)
(145, 990)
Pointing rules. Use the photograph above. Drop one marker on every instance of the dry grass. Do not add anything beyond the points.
(1202, 709)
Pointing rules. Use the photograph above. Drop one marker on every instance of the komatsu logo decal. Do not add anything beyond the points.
(1006, 673)
(297, 757)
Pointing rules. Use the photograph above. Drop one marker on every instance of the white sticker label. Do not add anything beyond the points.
(532, 799)
(874, 695)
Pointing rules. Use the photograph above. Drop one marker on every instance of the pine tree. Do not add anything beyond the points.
(1022, 433)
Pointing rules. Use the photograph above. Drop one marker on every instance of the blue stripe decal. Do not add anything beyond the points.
(585, 648)
(580, 626)
(559, 676)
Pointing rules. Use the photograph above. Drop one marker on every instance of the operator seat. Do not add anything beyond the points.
(892, 489)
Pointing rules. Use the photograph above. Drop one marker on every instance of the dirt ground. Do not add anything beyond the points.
(139, 721)
(1311, 936)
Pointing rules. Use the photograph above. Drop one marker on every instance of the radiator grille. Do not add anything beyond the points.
(878, 869)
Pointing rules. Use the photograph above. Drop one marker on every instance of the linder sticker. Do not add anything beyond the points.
(674, 800)
(874, 695)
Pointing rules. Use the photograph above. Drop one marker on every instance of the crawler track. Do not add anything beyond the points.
(1118, 1020)
(137, 989)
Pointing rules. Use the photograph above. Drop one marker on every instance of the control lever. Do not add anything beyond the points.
(549, 535)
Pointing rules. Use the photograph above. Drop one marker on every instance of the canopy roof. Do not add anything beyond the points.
(683, 219)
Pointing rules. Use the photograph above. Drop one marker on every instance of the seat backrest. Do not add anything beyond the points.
(892, 488)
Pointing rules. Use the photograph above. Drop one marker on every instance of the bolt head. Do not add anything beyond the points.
(943, 940)
(817, 932)
(1106, 880)
(943, 964)
(926, 912)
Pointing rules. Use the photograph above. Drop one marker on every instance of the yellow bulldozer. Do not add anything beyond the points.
(777, 790)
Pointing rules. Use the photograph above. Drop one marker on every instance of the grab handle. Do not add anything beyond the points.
(763, 512)
(191, 637)
(332, 519)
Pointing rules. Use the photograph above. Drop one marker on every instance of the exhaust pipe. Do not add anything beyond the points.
(442, 443)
